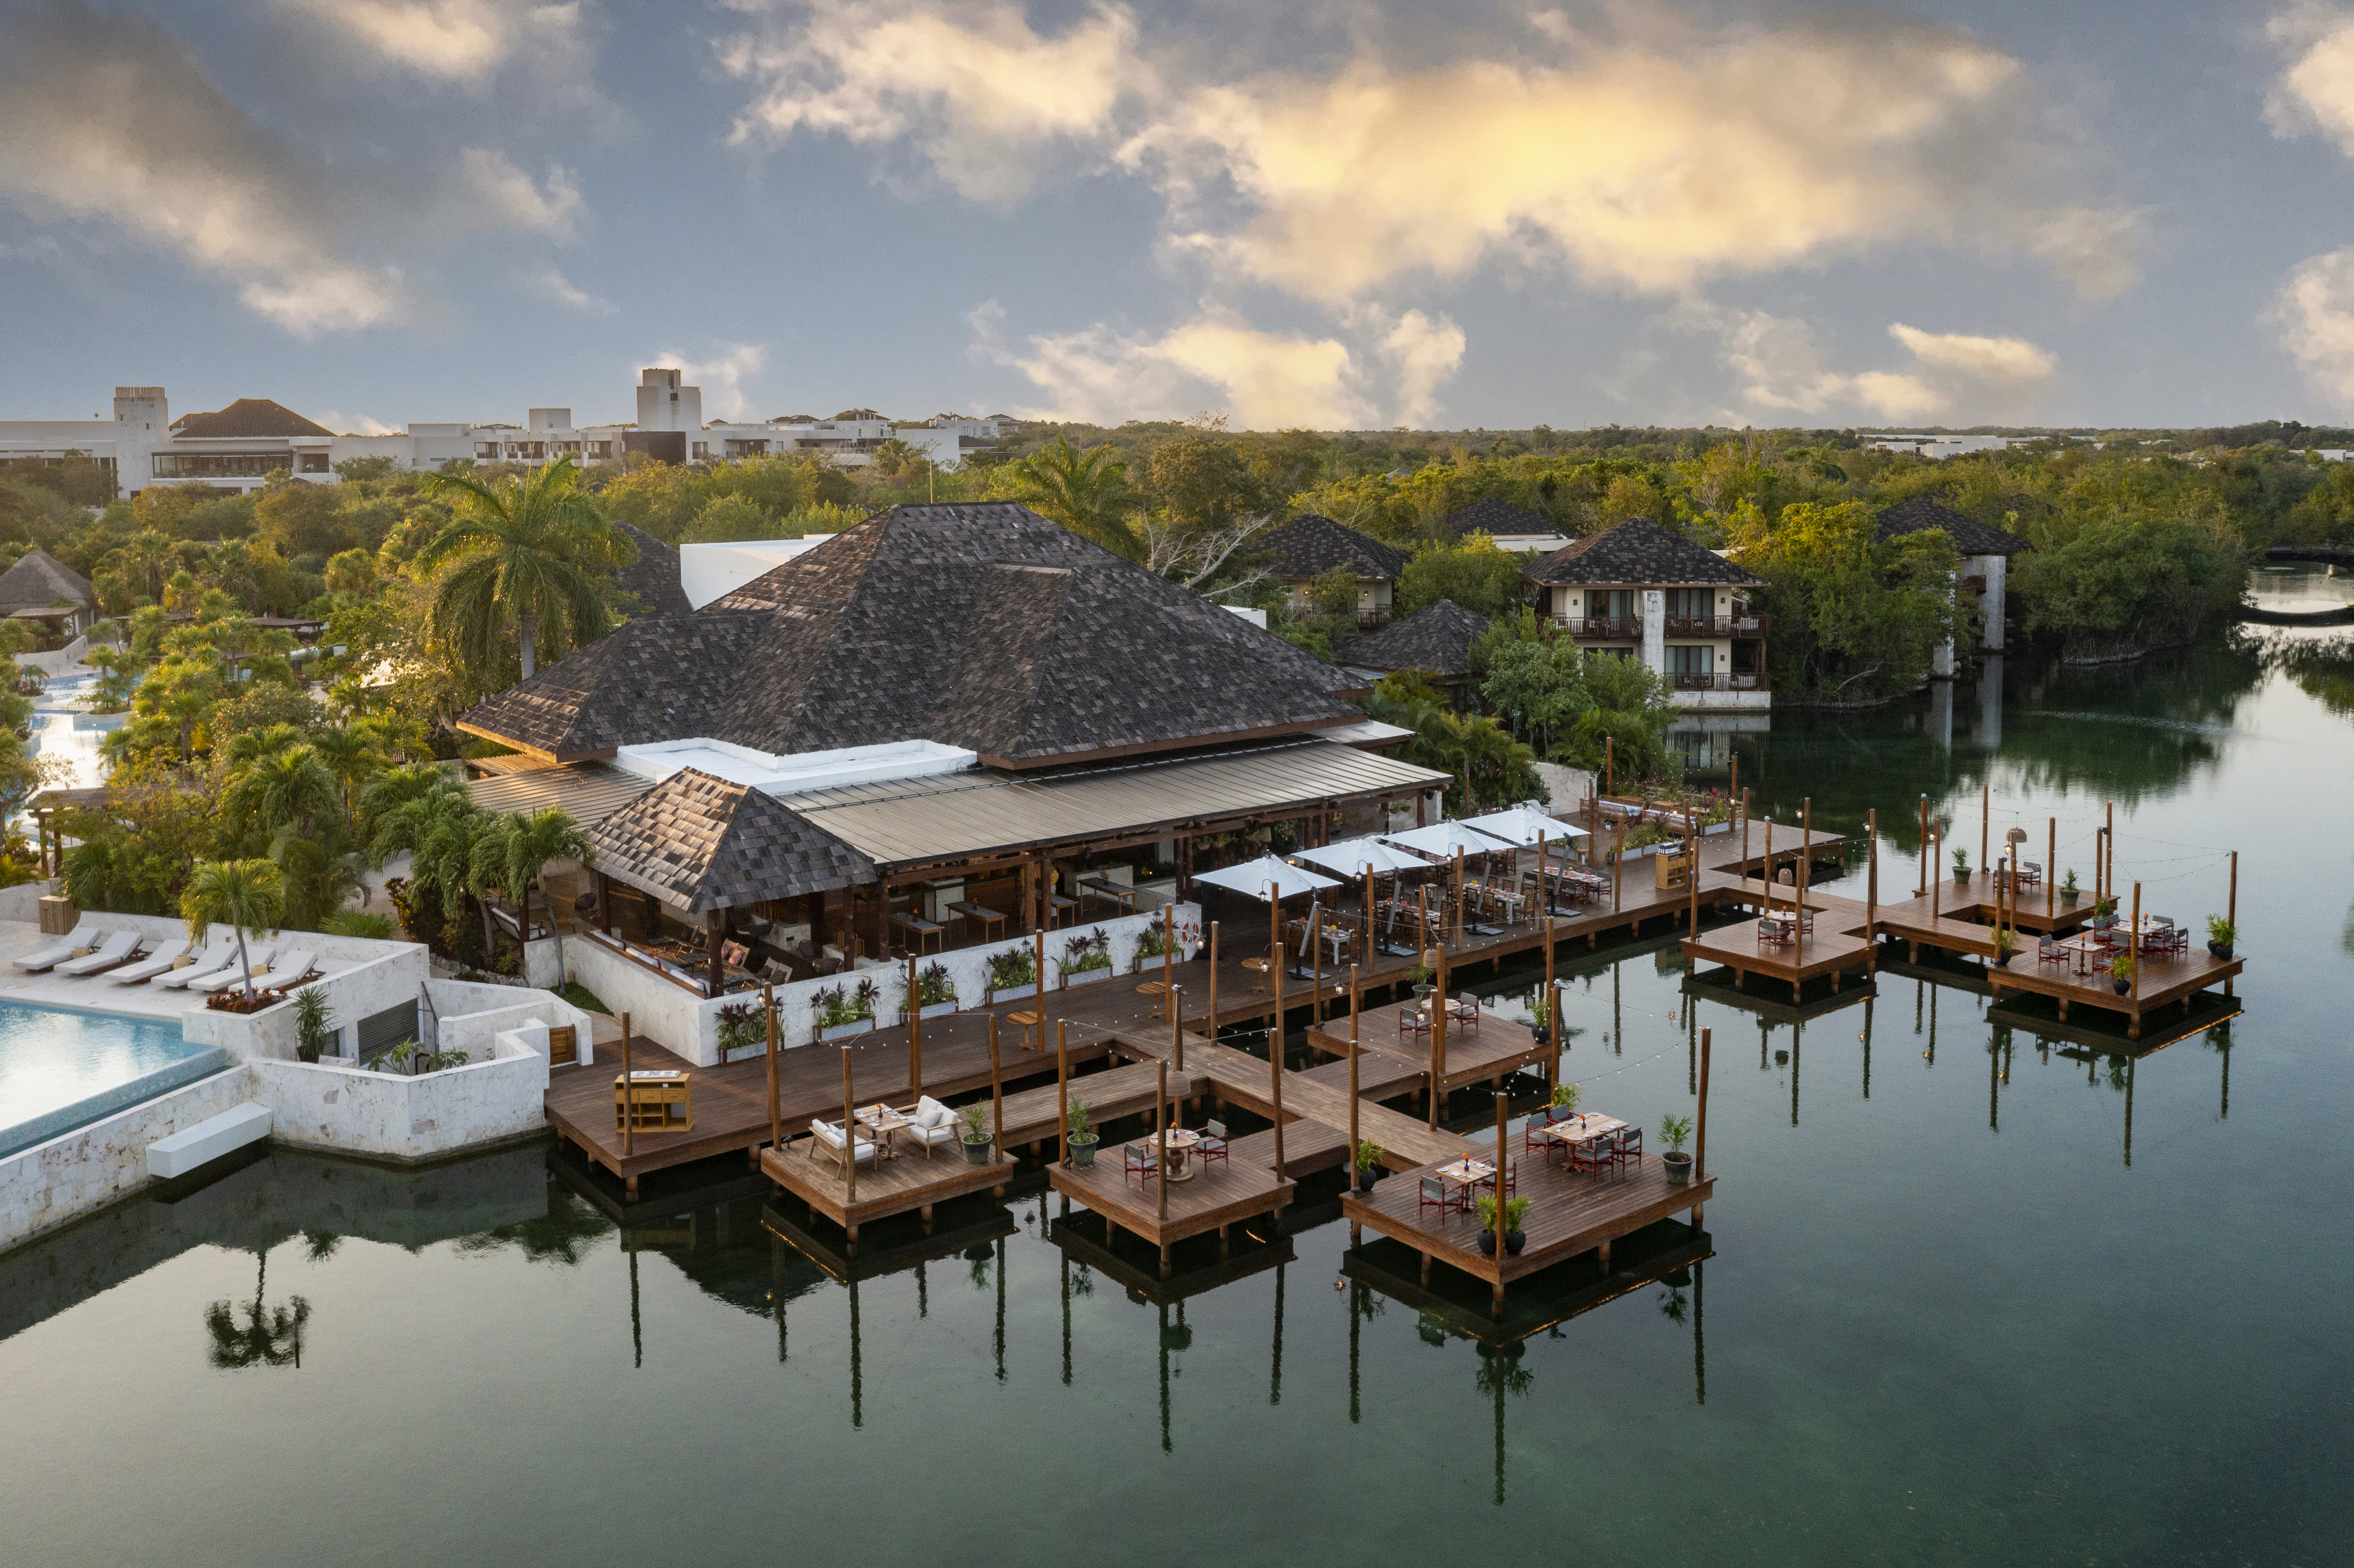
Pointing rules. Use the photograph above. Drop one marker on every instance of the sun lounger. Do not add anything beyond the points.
(159, 959)
(256, 960)
(293, 969)
(116, 950)
(58, 952)
(215, 960)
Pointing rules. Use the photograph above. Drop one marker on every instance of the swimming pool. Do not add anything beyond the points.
(60, 1069)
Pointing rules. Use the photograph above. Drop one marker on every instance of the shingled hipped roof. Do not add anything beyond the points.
(39, 579)
(247, 417)
(700, 843)
(1970, 537)
(1436, 638)
(1639, 551)
(983, 627)
(1489, 515)
(1312, 544)
(652, 580)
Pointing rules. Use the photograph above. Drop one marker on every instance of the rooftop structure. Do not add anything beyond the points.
(1642, 590)
(1311, 545)
(1986, 551)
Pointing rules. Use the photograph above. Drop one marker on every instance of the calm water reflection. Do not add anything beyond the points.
(1969, 1293)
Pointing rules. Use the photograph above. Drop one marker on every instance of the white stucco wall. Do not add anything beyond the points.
(52, 1182)
(333, 1104)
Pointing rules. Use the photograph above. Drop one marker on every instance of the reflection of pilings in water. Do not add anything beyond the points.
(2129, 1081)
(1066, 1319)
(1994, 1084)
(1918, 987)
(1274, 1365)
(1500, 1433)
(1356, 1325)
(1699, 1349)
(1931, 1054)
(637, 1319)
(1797, 1031)
(776, 1290)
(1618, 1018)
(2226, 1107)
(1691, 1050)
(1000, 1309)
(1164, 1377)
(857, 1364)
(1867, 1047)
(923, 1291)
(1764, 1031)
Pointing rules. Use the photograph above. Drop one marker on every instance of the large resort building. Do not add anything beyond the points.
(950, 721)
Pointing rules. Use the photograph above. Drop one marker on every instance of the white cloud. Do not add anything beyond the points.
(1781, 370)
(463, 42)
(2314, 315)
(2003, 360)
(2316, 89)
(722, 376)
(107, 118)
(1216, 360)
(1644, 162)
(970, 82)
(505, 196)
(345, 424)
(567, 292)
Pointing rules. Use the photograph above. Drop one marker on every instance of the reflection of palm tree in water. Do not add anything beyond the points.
(269, 1335)
(1500, 1373)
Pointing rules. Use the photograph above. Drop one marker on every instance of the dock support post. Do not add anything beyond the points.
(2232, 913)
(775, 1114)
(1213, 980)
(1872, 896)
(1352, 1166)
(1700, 1137)
(1062, 1084)
(629, 1104)
(997, 1093)
(915, 1031)
(1161, 1149)
(849, 1141)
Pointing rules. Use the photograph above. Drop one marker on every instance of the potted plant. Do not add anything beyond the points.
(842, 1010)
(1418, 979)
(1151, 948)
(1515, 1210)
(2220, 935)
(1012, 974)
(1084, 957)
(2068, 891)
(1564, 1097)
(1541, 1021)
(2104, 913)
(976, 1135)
(1962, 865)
(1678, 1164)
(2121, 971)
(1083, 1138)
(741, 1027)
(936, 993)
(1368, 1162)
(2005, 939)
(313, 1025)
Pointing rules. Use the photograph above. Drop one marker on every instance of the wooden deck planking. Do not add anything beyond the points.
(1739, 949)
(886, 1186)
(1222, 1193)
(1033, 1116)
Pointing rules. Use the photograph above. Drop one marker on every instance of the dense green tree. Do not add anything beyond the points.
(1475, 574)
(524, 553)
(1087, 493)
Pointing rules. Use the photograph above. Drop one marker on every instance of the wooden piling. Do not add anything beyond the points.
(1700, 1137)
(776, 1109)
(1354, 999)
(915, 1031)
(629, 1096)
(1161, 1139)
(849, 1139)
(1871, 895)
(1061, 1086)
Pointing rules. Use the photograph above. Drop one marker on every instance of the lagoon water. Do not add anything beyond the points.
(1974, 1296)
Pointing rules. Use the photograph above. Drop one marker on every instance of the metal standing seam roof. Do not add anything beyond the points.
(969, 814)
(590, 792)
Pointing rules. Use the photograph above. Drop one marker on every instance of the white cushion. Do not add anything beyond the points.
(929, 1112)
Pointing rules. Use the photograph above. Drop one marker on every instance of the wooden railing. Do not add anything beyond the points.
(1716, 625)
(1601, 626)
(1736, 681)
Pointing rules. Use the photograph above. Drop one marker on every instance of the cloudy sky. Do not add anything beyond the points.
(1355, 212)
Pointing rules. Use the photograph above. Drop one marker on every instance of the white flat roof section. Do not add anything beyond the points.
(790, 774)
(708, 572)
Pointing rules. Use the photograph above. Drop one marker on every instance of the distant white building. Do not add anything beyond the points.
(237, 448)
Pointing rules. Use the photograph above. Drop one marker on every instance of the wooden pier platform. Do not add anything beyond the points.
(1567, 1289)
(1220, 1194)
(1570, 1212)
(1738, 947)
(885, 1187)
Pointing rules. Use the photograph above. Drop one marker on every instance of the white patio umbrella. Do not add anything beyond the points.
(1442, 840)
(1522, 824)
(1254, 876)
(1350, 857)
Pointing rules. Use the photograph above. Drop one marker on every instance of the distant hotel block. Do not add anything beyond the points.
(236, 446)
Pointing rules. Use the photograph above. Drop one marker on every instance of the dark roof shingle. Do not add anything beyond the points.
(1970, 537)
(247, 417)
(1489, 515)
(700, 843)
(652, 580)
(1436, 638)
(1637, 551)
(1312, 544)
(985, 627)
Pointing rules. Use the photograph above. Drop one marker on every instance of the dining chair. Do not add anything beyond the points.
(1212, 1145)
(1630, 1140)
(1137, 1159)
(1433, 1194)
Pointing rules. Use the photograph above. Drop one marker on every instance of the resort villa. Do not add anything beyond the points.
(1641, 591)
(1313, 545)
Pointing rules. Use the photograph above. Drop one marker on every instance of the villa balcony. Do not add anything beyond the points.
(1602, 628)
(1743, 625)
(1735, 681)
(1373, 620)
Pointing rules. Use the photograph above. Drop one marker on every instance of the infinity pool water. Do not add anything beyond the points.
(59, 1069)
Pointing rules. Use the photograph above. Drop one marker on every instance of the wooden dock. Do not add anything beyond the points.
(1217, 1195)
(1570, 1212)
(1567, 1289)
(884, 1187)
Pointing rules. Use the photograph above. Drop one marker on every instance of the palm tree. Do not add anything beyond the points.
(512, 854)
(244, 894)
(289, 788)
(399, 807)
(1087, 493)
(524, 551)
(352, 756)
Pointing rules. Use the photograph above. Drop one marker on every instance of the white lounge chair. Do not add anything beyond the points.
(60, 951)
(830, 1136)
(158, 959)
(116, 950)
(293, 969)
(256, 960)
(218, 957)
(931, 1124)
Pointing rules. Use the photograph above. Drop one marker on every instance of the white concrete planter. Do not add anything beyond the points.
(843, 1031)
(935, 1010)
(1008, 993)
(1146, 963)
(1076, 978)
